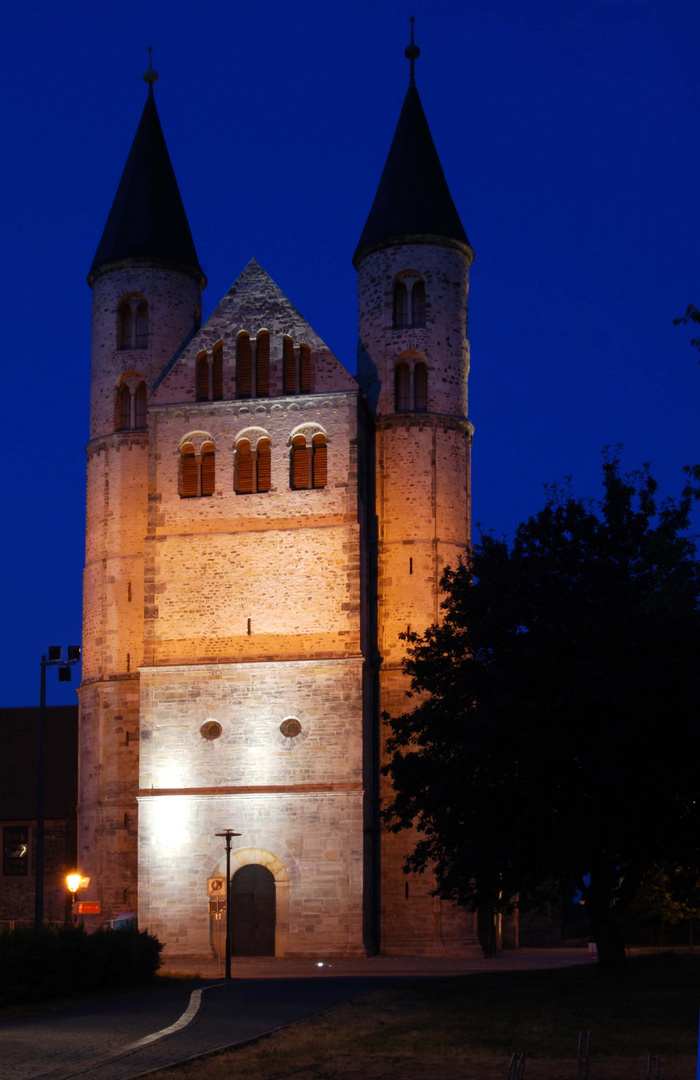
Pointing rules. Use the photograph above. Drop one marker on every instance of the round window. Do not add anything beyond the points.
(210, 729)
(290, 727)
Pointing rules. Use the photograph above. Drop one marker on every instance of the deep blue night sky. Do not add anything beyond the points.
(569, 135)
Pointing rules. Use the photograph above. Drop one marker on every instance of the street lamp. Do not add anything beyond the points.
(227, 834)
(64, 675)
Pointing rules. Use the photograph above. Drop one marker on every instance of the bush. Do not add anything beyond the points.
(36, 964)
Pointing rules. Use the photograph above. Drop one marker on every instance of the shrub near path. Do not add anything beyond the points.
(468, 1027)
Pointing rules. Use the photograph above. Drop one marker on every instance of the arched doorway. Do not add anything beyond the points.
(253, 911)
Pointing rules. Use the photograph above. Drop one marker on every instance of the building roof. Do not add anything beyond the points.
(19, 735)
(413, 198)
(147, 219)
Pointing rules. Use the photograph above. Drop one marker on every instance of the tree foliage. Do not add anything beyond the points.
(555, 741)
(692, 315)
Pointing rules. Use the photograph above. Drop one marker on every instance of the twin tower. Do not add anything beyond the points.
(261, 528)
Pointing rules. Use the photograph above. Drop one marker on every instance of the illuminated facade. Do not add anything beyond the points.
(260, 528)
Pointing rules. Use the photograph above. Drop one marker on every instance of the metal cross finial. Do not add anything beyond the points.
(150, 76)
(412, 52)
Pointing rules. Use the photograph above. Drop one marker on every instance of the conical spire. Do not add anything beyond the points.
(413, 198)
(147, 219)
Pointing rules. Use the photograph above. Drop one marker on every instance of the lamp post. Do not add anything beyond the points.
(73, 883)
(227, 834)
(64, 666)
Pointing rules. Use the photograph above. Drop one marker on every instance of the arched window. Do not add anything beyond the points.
(140, 406)
(289, 366)
(402, 385)
(197, 471)
(420, 388)
(400, 305)
(244, 366)
(218, 371)
(122, 412)
(262, 364)
(202, 377)
(418, 303)
(132, 323)
(252, 467)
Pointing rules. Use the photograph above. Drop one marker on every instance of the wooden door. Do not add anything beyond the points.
(253, 912)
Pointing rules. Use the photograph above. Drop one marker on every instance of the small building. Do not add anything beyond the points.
(19, 734)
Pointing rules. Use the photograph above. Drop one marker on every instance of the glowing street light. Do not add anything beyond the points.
(227, 834)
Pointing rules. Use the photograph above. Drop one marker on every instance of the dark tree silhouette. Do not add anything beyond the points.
(692, 315)
(556, 741)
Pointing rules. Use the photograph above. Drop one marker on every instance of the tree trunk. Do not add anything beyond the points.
(611, 948)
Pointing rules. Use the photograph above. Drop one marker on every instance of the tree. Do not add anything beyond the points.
(692, 315)
(555, 741)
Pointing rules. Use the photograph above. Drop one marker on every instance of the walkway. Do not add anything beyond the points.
(126, 1036)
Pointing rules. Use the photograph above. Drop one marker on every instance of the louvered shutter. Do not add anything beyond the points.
(304, 369)
(244, 468)
(290, 366)
(125, 407)
(142, 325)
(126, 325)
(208, 473)
(420, 388)
(202, 378)
(262, 364)
(189, 475)
(140, 403)
(300, 463)
(264, 465)
(400, 305)
(218, 372)
(418, 304)
(320, 452)
(244, 366)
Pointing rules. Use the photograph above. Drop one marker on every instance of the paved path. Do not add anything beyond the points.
(123, 1037)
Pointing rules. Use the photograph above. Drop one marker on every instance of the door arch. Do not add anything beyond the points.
(253, 911)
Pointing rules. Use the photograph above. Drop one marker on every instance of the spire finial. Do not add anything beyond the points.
(412, 52)
(150, 76)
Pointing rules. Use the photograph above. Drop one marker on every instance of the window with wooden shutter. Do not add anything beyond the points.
(244, 366)
(208, 469)
(141, 337)
(218, 372)
(264, 465)
(140, 405)
(189, 472)
(420, 388)
(289, 362)
(400, 317)
(320, 461)
(300, 463)
(304, 369)
(125, 325)
(202, 377)
(244, 468)
(262, 364)
(418, 304)
(125, 407)
(403, 388)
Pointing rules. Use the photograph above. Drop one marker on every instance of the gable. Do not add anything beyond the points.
(253, 303)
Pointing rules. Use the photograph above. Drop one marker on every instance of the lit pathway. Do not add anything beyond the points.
(126, 1036)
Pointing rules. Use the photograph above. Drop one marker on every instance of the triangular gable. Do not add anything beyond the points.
(254, 302)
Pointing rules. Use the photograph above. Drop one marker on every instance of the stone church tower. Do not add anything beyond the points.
(413, 261)
(260, 529)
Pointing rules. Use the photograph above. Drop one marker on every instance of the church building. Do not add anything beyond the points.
(261, 527)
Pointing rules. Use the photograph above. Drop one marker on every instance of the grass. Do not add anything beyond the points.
(468, 1027)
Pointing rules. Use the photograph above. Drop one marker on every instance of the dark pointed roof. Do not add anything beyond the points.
(413, 198)
(147, 219)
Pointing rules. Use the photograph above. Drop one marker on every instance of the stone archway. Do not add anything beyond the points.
(260, 857)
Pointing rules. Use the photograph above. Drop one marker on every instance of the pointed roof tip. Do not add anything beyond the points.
(413, 200)
(147, 220)
(412, 52)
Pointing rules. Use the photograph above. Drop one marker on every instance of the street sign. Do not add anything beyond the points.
(217, 907)
(88, 907)
(216, 886)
